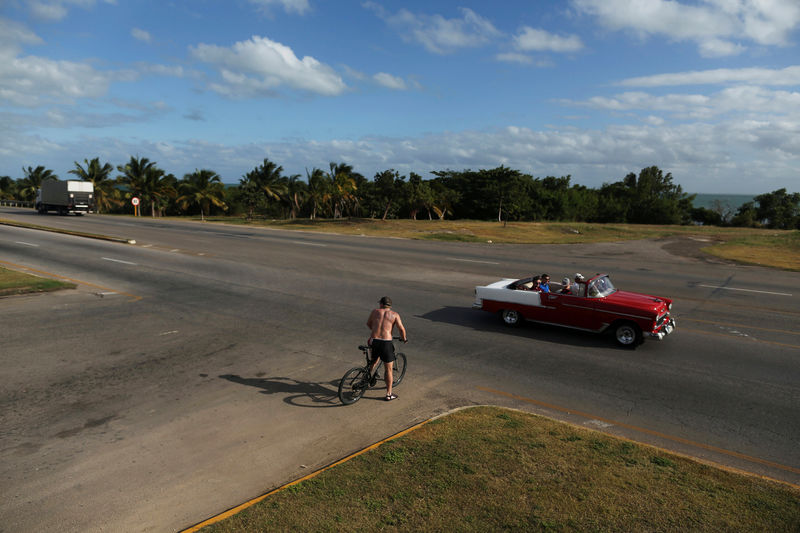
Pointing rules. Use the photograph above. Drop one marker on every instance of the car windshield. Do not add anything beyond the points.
(600, 287)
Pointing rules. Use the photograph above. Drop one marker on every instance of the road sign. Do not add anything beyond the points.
(135, 201)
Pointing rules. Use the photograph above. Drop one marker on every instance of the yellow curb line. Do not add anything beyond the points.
(242, 507)
(250, 503)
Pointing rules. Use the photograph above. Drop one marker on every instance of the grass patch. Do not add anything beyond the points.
(490, 469)
(14, 282)
(767, 248)
(773, 248)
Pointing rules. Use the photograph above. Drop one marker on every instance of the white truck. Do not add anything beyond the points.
(71, 196)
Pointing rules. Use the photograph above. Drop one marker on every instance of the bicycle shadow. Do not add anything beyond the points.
(298, 393)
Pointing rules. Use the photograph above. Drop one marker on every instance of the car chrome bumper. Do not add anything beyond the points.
(665, 330)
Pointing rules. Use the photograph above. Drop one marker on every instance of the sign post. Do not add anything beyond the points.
(135, 202)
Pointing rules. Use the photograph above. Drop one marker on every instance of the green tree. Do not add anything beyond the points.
(746, 216)
(420, 196)
(143, 179)
(343, 189)
(779, 210)
(104, 196)
(443, 198)
(389, 186)
(652, 198)
(133, 177)
(318, 191)
(8, 188)
(202, 188)
(32, 181)
(267, 180)
(509, 190)
(296, 191)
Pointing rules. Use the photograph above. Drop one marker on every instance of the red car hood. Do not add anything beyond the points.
(634, 300)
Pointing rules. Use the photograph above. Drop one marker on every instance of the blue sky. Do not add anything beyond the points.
(708, 90)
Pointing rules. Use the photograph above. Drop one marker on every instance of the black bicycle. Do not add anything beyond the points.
(358, 379)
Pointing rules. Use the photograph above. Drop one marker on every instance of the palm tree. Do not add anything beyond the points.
(318, 190)
(32, 181)
(103, 186)
(343, 181)
(159, 187)
(133, 176)
(144, 179)
(265, 180)
(203, 188)
(295, 191)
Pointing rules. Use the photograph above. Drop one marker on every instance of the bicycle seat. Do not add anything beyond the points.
(363, 347)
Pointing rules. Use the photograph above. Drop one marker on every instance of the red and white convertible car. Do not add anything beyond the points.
(595, 305)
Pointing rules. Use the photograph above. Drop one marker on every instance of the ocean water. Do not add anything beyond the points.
(726, 201)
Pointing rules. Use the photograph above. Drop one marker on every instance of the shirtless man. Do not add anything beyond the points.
(381, 322)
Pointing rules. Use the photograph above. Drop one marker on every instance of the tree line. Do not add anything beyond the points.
(501, 194)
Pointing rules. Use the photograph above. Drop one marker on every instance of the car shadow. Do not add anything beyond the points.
(297, 393)
(489, 322)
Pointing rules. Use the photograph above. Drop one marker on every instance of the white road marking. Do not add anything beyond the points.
(28, 244)
(473, 261)
(168, 333)
(311, 243)
(745, 290)
(118, 261)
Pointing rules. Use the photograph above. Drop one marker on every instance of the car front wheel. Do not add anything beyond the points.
(510, 317)
(628, 334)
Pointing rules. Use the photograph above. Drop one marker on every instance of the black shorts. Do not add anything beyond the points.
(383, 349)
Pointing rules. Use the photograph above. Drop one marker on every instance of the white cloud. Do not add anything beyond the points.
(514, 57)
(54, 10)
(32, 81)
(719, 48)
(438, 34)
(744, 156)
(13, 34)
(290, 6)
(259, 67)
(390, 82)
(714, 25)
(141, 35)
(531, 39)
(760, 76)
(745, 101)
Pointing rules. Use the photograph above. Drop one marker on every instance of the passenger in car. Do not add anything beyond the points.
(577, 286)
(545, 286)
(566, 286)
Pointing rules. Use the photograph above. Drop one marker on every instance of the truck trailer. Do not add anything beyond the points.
(71, 196)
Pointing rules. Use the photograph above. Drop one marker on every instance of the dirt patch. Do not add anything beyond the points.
(692, 247)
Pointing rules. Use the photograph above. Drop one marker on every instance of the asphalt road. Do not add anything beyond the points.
(198, 368)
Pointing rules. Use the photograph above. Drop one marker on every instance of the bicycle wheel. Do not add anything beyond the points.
(398, 369)
(353, 385)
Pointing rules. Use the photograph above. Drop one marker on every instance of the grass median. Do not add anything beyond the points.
(13, 282)
(764, 247)
(493, 469)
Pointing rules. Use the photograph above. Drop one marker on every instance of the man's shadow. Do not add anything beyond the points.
(298, 393)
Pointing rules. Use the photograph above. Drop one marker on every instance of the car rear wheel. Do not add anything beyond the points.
(510, 317)
(628, 334)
